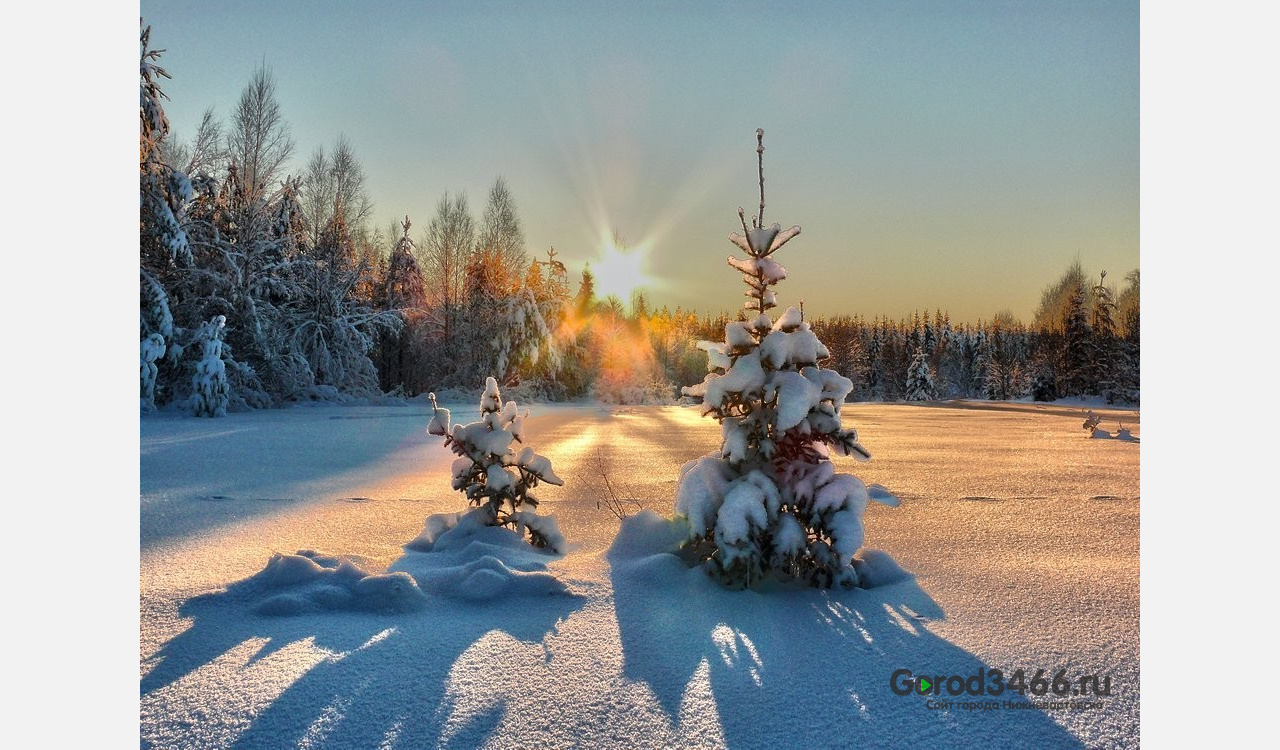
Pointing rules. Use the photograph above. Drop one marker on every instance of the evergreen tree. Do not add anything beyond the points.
(504, 331)
(496, 479)
(920, 385)
(151, 348)
(164, 191)
(1077, 349)
(858, 366)
(982, 363)
(995, 382)
(1043, 385)
(769, 500)
(1129, 314)
(1103, 349)
(875, 363)
(404, 295)
(553, 372)
(155, 328)
(210, 392)
(163, 244)
(585, 300)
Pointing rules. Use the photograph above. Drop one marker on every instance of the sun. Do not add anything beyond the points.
(619, 271)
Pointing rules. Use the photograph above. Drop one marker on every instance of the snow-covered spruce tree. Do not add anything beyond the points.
(242, 271)
(210, 393)
(770, 500)
(496, 479)
(162, 199)
(1102, 328)
(1076, 347)
(1043, 386)
(150, 349)
(163, 191)
(993, 381)
(1130, 321)
(403, 294)
(920, 385)
(155, 325)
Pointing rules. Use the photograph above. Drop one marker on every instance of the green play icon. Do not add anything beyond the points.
(923, 685)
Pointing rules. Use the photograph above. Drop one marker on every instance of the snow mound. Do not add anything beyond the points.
(483, 578)
(650, 547)
(457, 555)
(312, 582)
(876, 568)
(444, 531)
(647, 533)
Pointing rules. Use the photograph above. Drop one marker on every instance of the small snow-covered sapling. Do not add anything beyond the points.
(494, 477)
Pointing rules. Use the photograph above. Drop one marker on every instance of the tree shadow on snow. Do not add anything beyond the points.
(805, 668)
(385, 677)
(199, 475)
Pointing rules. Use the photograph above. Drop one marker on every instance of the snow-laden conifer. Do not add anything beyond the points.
(150, 349)
(495, 477)
(770, 500)
(210, 392)
(920, 383)
(164, 191)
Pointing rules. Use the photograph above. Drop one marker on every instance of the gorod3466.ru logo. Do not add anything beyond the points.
(992, 682)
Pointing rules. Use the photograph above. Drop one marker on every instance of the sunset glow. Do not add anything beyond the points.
(620, 271)
(941, 158)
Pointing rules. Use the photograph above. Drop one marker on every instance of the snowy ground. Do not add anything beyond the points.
(1022, 533)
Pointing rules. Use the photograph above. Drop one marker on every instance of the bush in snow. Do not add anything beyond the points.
(1091, 422)
(920, 385)
(770, 500)
(151, 349)
(495, 478)
(210, 392)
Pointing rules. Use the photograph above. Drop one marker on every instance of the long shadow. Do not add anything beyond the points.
(386, 678)
(371, 683)
(807, 668)
(1058, 410)
(197, 474)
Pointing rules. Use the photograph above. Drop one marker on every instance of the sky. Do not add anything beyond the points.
(952, 155)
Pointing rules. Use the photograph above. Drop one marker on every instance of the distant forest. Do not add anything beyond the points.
(260, 289)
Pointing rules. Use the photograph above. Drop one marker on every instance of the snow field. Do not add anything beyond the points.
(1021, 533)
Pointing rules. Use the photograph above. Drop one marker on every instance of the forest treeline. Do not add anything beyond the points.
(259, 288)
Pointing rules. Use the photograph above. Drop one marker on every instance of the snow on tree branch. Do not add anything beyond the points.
(769, 503)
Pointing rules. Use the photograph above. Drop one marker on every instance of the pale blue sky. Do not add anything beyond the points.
(956, 154)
